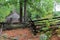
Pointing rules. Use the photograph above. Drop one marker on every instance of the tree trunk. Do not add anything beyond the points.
(25, 14)
(21, 12)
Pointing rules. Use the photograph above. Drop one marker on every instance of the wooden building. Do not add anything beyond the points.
(13, 17)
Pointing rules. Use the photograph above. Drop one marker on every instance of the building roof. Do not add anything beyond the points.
(13, 14)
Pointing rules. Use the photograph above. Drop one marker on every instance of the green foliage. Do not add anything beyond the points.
(58, 1)
(36, 9)
(40, 8)
(6, 7)
(57, 14)
(3, 12)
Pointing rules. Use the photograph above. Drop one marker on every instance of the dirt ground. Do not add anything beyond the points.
(21, 34)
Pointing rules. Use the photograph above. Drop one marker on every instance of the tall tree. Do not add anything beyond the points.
(20, 11)
(25, 14)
